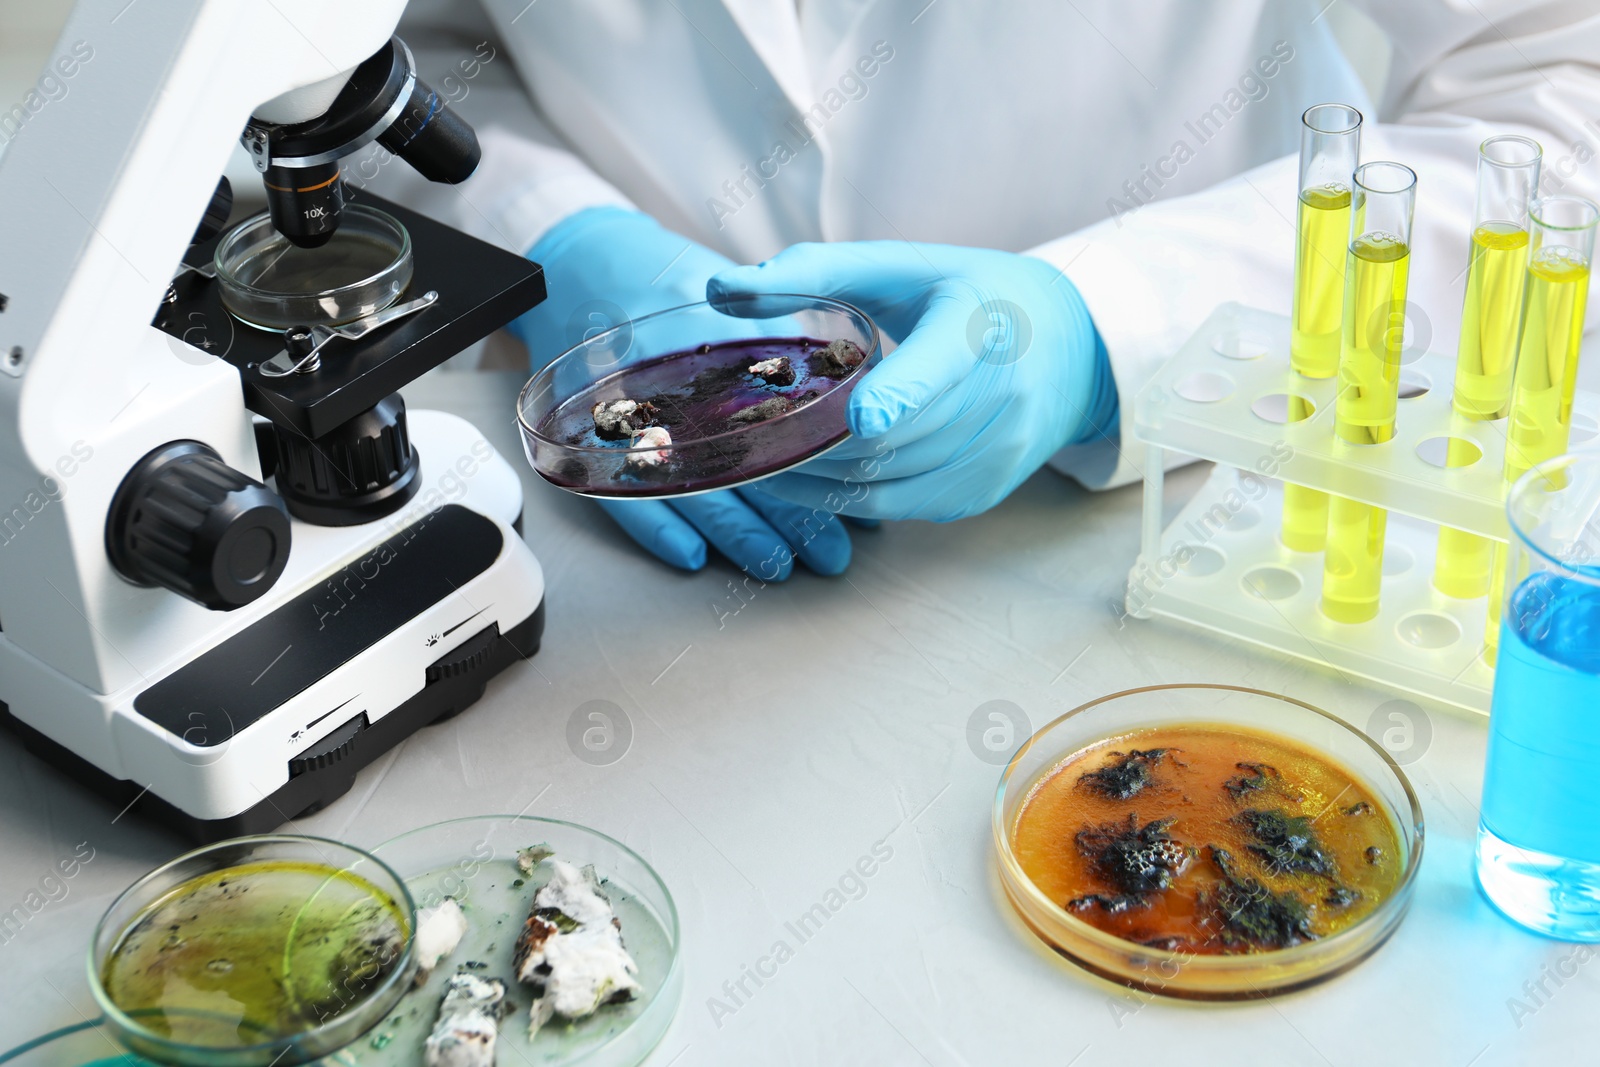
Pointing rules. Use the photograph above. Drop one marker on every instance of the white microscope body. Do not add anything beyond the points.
(220, 720)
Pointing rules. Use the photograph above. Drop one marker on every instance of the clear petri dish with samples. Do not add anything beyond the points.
(274, 949)
(268, 282)
(494, 875)
(698, 397)
(1207, 842)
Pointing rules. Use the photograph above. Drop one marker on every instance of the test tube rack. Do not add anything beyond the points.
(1220, 564)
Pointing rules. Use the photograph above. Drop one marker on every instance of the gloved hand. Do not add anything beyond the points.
(606, 265)
(999, 365)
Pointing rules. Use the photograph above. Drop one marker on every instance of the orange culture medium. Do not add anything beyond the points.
(1207, 839)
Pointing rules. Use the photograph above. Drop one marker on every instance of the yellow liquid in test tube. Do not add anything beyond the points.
(1373, 328)
(1497, 594)
(1461, 560)
(1321, 234)
(1547, 369)
(1546, 378)
(1490, 323)
(1376, 276)
(1320, 248)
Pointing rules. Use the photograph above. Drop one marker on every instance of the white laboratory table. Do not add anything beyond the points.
(779, 733)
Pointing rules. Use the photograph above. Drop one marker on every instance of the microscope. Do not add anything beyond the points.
(223, 590)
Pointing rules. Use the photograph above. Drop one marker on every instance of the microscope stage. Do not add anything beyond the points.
(481, 288)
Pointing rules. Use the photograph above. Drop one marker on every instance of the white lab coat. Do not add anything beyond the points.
(1146, 148)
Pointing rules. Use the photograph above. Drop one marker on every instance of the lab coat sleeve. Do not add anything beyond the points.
(527, 180)
(1458, 75)
(524, 187)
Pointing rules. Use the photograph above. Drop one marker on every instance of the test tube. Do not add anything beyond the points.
(1491, 322)
(1561, 251)
(1377, 269)
(1330, 145)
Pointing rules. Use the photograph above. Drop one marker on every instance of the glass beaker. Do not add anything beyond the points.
(1538, 856)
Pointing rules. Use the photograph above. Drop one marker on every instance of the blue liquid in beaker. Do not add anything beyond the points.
(1539, 836)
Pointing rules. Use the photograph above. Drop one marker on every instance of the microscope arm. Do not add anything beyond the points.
(102, 190)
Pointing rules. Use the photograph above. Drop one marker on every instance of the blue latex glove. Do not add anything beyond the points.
(604, 266)
(607, 265)
(999, 365)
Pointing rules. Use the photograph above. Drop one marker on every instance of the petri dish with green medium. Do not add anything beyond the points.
(275, 949)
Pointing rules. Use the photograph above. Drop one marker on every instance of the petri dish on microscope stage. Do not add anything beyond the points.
(1207, 842)
(698, 397)
(270, 283)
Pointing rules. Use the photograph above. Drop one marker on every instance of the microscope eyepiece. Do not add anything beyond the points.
(436, 141)
(382, 101)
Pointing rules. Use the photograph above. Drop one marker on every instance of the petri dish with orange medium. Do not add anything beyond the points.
(1207, 842)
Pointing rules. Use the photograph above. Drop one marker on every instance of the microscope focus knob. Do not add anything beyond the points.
(360, 471)
(186, 521)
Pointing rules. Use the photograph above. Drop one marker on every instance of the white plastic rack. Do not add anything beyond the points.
(1220, 563)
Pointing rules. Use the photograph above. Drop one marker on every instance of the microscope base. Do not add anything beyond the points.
(305, 794)
(375, 632)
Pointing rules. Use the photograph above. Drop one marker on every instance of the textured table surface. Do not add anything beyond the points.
(779, 733)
